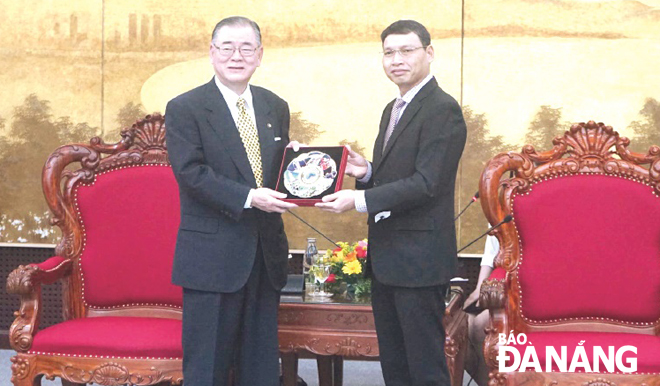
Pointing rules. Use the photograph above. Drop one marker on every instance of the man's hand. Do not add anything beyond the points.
(270, 201)
(338, 202)
(473, 298)
(295, 145)
(356, 165)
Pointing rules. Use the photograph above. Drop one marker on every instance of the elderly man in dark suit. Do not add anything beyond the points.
(408, 191)
(225, 142)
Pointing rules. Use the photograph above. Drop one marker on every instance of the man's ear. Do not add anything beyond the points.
(430, 53)
(260, 55)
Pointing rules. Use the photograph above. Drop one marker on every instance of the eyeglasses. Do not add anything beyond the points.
(227, 51)
(404, 52)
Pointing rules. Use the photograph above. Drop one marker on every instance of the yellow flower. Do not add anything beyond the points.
(352, 268)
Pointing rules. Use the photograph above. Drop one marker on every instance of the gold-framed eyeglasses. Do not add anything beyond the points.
(227, 51)
(404, 52)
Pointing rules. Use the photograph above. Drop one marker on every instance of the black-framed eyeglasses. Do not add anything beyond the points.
(227, 51)
(404, 52)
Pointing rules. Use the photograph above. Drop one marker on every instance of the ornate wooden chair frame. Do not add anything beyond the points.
(584, 149)
(141, 144)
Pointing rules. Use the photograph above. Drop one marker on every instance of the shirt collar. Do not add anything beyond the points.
(408, 97)
(231, 97)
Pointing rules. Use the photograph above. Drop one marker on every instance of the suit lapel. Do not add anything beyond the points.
(378, 146)
(407, 116)
(265, 129)
(220, 119)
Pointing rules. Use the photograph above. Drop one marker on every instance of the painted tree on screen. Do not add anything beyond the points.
(33, 135)
(480, 147)
(302, 130)
(647, 129)
(544, 127)
(129, 114)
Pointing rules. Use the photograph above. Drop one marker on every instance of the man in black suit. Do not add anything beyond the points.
(225, 142)
(408, 191)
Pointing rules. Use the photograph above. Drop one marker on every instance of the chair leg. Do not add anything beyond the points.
(30, 380)
(22, 373)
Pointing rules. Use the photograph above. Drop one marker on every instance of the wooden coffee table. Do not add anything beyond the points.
(334, 331)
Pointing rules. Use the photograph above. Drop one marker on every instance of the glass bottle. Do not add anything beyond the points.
(308, 261)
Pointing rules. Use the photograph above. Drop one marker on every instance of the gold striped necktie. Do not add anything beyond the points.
(248, 131)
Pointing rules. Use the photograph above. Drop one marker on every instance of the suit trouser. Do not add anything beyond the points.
(224, 330)
(411, 336)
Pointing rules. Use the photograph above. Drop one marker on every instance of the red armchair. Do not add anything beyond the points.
(118, 212)
(582, 260)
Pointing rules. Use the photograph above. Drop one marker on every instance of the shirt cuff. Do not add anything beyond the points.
(366, 177)
(360, 201)
(248, 201)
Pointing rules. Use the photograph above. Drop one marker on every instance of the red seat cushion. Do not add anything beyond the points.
(648, 348)
(498, 274)
(112, 337)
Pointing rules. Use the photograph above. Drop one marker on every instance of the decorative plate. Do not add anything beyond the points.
(310, 174)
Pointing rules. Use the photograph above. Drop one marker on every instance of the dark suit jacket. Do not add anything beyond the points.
(217, 239)
(414, 179)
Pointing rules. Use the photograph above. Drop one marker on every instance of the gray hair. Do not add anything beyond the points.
(236, 21)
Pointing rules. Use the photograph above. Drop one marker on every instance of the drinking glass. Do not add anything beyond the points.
(321, 273)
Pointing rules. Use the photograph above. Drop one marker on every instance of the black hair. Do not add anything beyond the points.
(404, 27)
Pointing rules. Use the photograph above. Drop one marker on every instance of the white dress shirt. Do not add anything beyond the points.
(231, 98)
(491, 249)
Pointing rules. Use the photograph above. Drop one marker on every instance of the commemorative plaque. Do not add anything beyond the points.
(311, 173)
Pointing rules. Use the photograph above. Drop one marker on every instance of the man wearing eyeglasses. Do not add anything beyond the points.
(408, 191)
(225, 142)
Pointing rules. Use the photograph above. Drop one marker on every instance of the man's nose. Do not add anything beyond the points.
(236, 55)
(398, 57)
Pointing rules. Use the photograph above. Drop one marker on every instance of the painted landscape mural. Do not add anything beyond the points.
(523, 70)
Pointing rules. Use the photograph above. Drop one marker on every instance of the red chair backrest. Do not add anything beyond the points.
(589, 248)
(130, 217)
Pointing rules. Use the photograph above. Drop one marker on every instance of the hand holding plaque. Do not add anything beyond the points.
(356, 165)
(309, 174)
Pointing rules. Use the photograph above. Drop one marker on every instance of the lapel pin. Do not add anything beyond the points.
(269, 125)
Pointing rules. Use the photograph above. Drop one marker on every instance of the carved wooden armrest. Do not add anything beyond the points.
(26, 281)
(493, 296)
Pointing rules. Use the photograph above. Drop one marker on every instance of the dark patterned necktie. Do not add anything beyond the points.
(248, 131)
(394, 119)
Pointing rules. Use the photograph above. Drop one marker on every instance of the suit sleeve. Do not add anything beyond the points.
(286, 121)
(365, 184)
(442, 138)
(193, 174)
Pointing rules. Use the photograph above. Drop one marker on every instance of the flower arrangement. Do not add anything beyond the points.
(348, 263)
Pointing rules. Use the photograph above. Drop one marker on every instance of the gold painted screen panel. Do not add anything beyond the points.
(524, 69)
(532, 68)
(52, 80)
